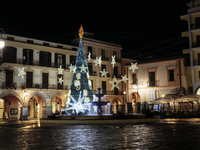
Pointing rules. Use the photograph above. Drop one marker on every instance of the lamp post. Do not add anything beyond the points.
(2, 43)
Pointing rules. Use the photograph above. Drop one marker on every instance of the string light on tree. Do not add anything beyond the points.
(60, 80)
(60, 70)
(113, 61)
(133, 66)
(103, 73)
(115, 83)
(21, 72)
(124, 78)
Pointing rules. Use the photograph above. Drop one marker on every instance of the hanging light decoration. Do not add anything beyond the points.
(2, 43)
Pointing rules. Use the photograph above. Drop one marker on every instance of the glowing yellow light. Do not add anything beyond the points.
(2, 43)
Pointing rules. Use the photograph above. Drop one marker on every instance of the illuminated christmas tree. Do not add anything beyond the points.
(81, 84)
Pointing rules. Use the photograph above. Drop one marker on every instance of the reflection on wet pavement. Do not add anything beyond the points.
(164, 135)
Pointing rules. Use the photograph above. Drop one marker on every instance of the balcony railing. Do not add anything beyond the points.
(44, 86)
(93, 73)
(195, 26)
(117, 75)
(105, 58)
(196, 62)
(153, 83)
(35, 63)
(9, 85)
(108, 92)
(195, 44)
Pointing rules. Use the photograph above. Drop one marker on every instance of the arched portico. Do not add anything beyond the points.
(116, 105)
(10, 106)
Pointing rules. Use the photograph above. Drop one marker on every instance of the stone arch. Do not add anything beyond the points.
(13, 94)
(116, 99)
(61, 97)
(197, 91)
(38, 94)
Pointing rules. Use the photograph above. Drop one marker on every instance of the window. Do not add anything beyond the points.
(46, 44)
(74, 49)
(30, 41)
(116, 71)
(92, 83)
(72, 60)
(103, 87)
(90, 68)
(103, 54)
(60, 86)
(9, 54)
(9, 78)
(152, 79)
(197, 22)
(45, 80)
(27, 56)
(29, 79)
(103, 67)
(59, 46)
(134, 81)
(199, 74)
(115, 53)
(90, 50)
(60, 60)
(10, 38)
(45, 59)
(198, 39)
(171, 75)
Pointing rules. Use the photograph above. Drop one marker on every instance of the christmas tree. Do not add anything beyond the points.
(81, 85)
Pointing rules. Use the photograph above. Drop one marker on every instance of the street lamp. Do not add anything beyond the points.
(2, 43)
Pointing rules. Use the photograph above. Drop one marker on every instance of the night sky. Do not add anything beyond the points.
(133, 25)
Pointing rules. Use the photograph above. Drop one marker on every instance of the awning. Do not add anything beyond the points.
(166, 99)
(188, 98)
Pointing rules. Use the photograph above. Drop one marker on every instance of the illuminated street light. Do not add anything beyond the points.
(2, 43)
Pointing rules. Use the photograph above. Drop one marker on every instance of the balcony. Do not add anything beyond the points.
(194, 26)
(108, 92)
(9, 85)
(93, 73)
(34, 63)
(153, 83)
(105, 58)
(196, 62)
(44, 86)
(195, 44)
(117, 75)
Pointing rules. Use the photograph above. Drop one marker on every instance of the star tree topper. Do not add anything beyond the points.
(115, 83)
(60, 80)
(103, 73)
(124, 78)
(60, 70)
(83, 69)
(113, 61)
(133, 66)
(21, 72)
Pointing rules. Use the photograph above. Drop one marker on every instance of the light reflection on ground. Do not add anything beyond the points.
(168, 134)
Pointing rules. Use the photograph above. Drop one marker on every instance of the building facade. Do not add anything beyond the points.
(152, 82)
(38, 94)
(193, 33)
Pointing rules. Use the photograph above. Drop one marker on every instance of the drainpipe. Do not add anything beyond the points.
(180, 73)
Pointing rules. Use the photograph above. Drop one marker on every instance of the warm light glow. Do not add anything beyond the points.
(134, 86)
(163, 95)
(124, 92)
(2, 43)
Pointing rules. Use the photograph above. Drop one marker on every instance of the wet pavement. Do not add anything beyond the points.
(168, 134)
